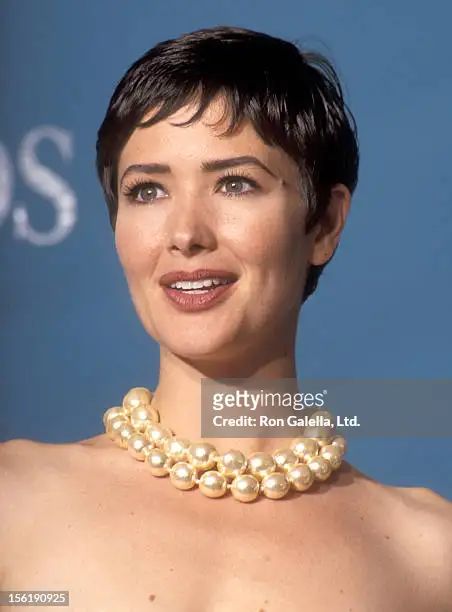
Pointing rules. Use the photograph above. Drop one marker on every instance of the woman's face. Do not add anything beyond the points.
(239, 222)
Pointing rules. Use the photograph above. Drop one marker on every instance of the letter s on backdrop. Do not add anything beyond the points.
(46, 183)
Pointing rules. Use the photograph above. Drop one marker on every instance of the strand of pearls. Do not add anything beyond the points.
(136, 426)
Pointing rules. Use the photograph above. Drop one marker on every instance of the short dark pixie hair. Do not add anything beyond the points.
(292, 97)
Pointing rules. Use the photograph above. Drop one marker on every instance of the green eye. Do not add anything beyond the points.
(144, 192)
(238, 185)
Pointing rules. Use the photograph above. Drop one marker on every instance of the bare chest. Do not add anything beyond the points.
(112, 556)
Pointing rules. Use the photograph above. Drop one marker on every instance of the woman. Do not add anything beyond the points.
(240, 179)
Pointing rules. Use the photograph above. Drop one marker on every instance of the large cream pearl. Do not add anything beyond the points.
(320, 467)
(324, 441)
(137, 396)
(142, 416)
(147, 449)
(202, 455)
(123, 435)
(176, 448)
(114, 425)
(213, 484)
(183, 475)
(112, 413)
(157, 434)
(245, 488)
(232, 463)
(333, 454)
(320, 431)
(135, 445)
(158, 461)
(275, 485)
(261, 464)
(305, 448)
(300, 477)
(340, 442)
(285, 459)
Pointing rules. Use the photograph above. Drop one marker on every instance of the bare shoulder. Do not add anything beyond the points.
(14, 450)
(40, 483)
(431, 522)
(417, 509)
(426, 510)
(425, 518)
(39, 471)
(35, 475)
(426, 500)
(22, 456)
(413, 525)
(24, 465)
(18, 460)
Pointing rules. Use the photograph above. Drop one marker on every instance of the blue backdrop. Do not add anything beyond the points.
(71, 343)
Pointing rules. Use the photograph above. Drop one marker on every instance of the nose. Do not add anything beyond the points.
(189, 227)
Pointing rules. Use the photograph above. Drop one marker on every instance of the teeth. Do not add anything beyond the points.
(201, 284)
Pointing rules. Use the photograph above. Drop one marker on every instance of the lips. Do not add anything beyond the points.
(197, 290)
(181, 275)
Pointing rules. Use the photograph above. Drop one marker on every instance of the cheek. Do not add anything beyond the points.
(273, 240)
(134, 247)
(274, 252)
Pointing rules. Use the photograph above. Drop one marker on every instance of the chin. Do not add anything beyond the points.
(195, 341)
(192, 346)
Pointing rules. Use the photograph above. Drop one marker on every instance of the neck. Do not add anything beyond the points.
(178, 393)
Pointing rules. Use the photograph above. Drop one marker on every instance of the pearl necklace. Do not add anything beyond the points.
(136, 426)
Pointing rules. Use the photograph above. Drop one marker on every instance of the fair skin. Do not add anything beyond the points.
(192, 224)
(87, 518)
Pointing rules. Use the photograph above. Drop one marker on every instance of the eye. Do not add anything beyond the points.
(144, 192)
(237, 185)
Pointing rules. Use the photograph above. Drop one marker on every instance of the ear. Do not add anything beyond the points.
(326, 233)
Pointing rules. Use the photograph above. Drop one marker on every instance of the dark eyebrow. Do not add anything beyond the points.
(208, 166)
(222, 164)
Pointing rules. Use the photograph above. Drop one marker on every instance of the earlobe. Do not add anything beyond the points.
(331, 225)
